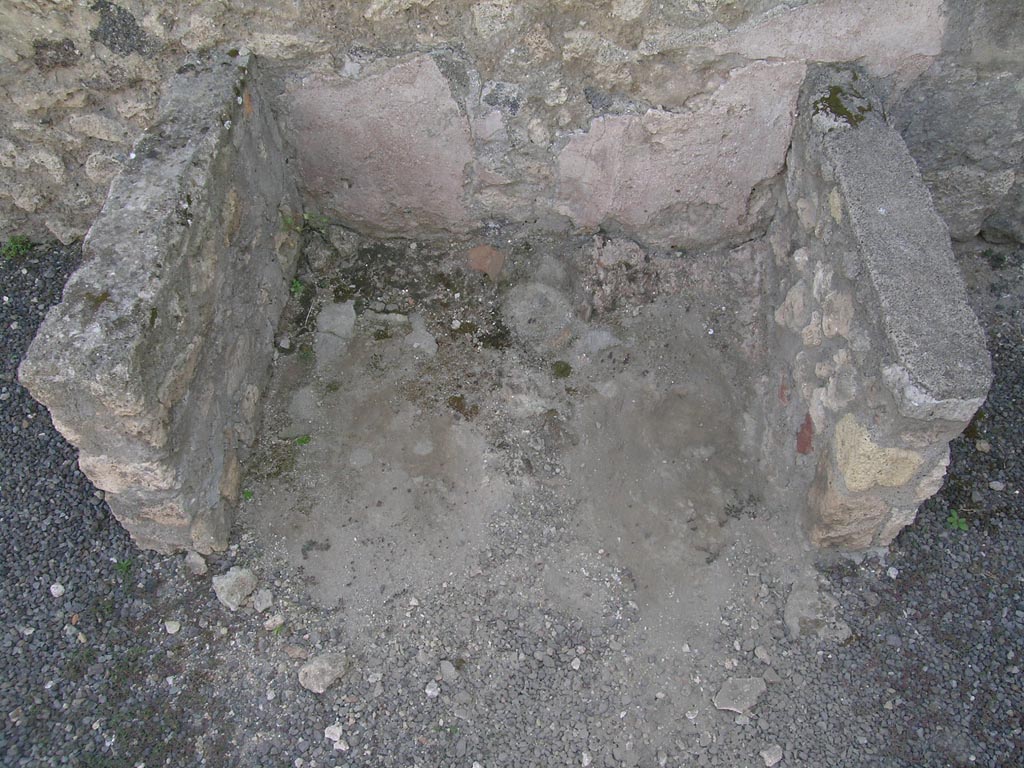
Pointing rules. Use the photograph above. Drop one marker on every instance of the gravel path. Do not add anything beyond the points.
(115, 657)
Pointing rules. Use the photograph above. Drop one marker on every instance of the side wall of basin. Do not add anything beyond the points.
(154, 362)
(878, 362)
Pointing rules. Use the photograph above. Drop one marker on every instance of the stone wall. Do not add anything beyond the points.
(668, 121)
(878, 362)
(963, 121)
(154, 362)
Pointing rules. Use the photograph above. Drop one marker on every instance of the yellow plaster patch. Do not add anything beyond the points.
(863, 464)
(835, 205)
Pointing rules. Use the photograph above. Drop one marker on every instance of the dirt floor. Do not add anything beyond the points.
(431, 431)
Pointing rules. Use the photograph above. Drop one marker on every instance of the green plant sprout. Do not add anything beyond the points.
(956, 522)
(16, 247)
(303, 440)
(247, 495)
(297, 288)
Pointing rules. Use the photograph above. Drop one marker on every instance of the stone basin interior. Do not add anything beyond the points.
(420, 411)
(363, 323)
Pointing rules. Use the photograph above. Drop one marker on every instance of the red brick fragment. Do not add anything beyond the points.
(805, 435)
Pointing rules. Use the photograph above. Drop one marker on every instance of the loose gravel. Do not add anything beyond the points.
(116, 657)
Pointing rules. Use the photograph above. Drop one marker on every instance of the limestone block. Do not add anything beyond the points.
(167, 308)
(492, 18)
(101, 167)
(965, 195)
(382, 9)
(863, 464)
(837, 314)
(931, 482)
(387, 154)
(841, 519)
(811, 334)
(684, 178)
(795, 311)
(892, 37)
(629, 10)
(964, 126)
(898, 520)
(99, 127)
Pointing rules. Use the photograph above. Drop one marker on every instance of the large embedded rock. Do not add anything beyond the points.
(963, 121)
(740, 694)
(688, 178)
(965, 128)
(153, 363)
(386, 153)
(234, 587)
(322, 671)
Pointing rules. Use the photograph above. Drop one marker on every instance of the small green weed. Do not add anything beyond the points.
(995, 259)
(561, 369)
(308, 221)
(956, 522)
(303, 440)
(123, 567)
(279, 630)
(247, 495)
(316, 221)
(16, 247)
(297, 288)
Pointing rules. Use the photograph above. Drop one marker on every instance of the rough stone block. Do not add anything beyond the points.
(893, 36)
(150, 363)
(965, 127)
(837, 518)
(688, 178)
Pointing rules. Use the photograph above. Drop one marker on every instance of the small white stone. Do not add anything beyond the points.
(413, 602)
(273, 622)
(448, 672)
(983, 446)
(333, 732)
(997, 485)
(771, 755)
(57, 590)
(262, 600)
(575, 663)
(586, 759)
(893, 572)
(433, 690)
(195, 563)
(172, 626)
